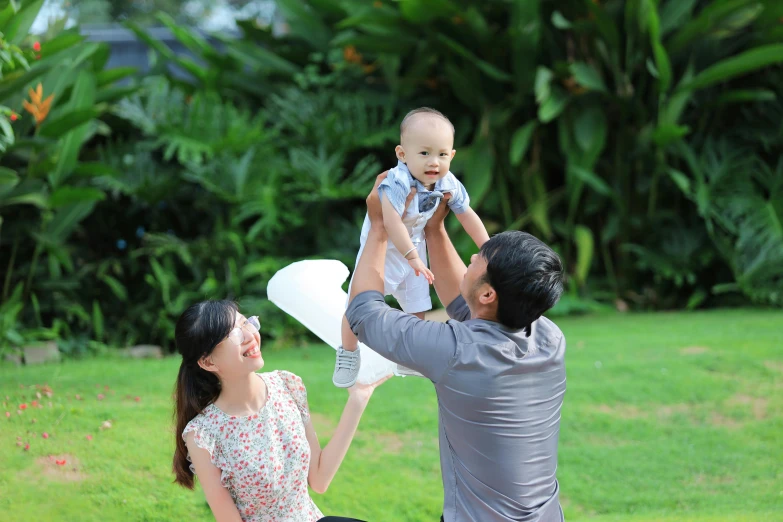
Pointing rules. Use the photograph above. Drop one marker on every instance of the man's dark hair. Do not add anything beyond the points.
(526, 274)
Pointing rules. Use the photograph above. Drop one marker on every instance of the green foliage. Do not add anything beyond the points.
(208, 198)
(568, 120)
(608, 129)
(44, 185)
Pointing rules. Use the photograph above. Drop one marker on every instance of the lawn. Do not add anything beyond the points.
(667, 417)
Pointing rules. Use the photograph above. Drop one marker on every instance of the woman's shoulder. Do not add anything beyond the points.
(295, 388)
(203, 422)
(283, 376)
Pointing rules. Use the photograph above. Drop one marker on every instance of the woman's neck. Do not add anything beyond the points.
(242, 396)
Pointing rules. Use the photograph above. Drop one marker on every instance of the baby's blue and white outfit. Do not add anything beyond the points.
(412, 292)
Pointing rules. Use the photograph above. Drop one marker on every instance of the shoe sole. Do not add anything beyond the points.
(343, 385)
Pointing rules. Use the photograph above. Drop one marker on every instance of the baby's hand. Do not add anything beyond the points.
(420, 268)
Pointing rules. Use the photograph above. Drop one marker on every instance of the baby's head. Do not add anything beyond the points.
(426, 144)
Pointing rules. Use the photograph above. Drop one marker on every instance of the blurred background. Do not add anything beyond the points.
(158, 152)
(191, 149)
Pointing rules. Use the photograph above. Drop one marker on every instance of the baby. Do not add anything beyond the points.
(425, 153)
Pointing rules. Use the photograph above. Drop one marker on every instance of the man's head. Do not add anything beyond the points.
(513, 280)
(426, 144)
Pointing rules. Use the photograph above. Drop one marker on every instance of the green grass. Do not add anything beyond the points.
(668, 417)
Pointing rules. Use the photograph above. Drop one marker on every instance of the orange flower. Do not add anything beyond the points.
(36, 106)
(352, 55)
(572, 86)
(377, 4)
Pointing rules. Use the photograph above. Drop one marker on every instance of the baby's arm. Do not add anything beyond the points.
(472, 225)
(399, 237)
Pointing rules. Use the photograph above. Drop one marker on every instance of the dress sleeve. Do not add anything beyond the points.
(296, 388)
(396, 188)
(206, 440)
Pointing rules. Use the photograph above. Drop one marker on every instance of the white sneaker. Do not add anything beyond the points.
(346, 368)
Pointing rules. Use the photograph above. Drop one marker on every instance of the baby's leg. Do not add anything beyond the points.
(350, 342)
(348, 360)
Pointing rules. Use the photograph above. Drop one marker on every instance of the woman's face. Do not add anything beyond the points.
(240, 352)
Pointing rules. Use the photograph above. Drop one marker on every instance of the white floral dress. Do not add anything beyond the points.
(264, 458)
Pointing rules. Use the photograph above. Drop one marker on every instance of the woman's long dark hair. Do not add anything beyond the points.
(199, 329)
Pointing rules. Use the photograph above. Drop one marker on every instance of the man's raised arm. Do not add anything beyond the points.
(445, 263)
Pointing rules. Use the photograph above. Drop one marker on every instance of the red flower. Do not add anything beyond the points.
(137, 399)
(8, 414)
(26, 447)
(14, 116)
(60, 462)
(37, 46)
(89, 437)
(45, 435)
(100, 396)
(34, 404)
(23, 406)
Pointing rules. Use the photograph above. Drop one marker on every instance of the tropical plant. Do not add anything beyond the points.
(213, 197)
(53, 93)
(569, 116)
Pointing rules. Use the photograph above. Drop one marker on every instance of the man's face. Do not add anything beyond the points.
(473, 282)
(427, 148)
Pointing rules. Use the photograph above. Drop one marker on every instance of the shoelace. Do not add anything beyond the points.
(345, 361)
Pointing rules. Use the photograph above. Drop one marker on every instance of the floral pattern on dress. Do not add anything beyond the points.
(264, 458)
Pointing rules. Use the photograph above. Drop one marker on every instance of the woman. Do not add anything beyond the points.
(248, 435)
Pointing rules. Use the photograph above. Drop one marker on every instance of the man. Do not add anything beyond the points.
(497, 366)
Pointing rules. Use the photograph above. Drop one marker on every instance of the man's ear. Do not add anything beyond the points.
(487, 294)
(206, 363)
(400, 152)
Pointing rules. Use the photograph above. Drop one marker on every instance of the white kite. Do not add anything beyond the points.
(311, 292)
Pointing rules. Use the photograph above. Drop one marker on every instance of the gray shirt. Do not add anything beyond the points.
(499, 399)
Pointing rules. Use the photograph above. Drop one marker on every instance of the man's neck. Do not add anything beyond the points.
(483, 313)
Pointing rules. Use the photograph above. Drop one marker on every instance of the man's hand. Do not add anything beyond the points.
(374, 209)
(436, 221)
(420, 268)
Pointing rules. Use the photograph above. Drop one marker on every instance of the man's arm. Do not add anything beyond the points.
(425, 346)
(445, 262)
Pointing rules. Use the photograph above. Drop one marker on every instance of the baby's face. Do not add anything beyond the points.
(427, 148)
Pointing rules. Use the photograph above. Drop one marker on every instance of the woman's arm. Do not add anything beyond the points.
(218, 497)
(474, 226)
(325, 463)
